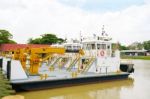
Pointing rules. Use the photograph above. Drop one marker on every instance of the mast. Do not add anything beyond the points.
(103, 31)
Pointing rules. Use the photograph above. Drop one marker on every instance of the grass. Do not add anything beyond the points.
(5, 87)
(136, 57)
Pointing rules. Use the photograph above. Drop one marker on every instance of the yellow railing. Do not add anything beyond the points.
(73, 62)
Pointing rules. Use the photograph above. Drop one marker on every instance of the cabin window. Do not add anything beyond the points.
(68, 47)
(74, 47)
(108, 46)
(93, 46)
(98, 46)
(88, 46)
(103, 46)
(84, 46)
(78, 47)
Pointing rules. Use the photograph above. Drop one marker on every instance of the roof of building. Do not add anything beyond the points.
(8, 47)
(134, 51)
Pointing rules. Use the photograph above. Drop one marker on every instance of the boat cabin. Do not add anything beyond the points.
(72, 47)
(99, 46)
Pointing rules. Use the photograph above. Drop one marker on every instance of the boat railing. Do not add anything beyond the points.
(105, 68)
(129, 61)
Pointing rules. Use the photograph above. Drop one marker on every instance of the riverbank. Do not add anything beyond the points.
(136, 57)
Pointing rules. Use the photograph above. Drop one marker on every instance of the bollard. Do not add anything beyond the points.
(1, 62)
(8, 70)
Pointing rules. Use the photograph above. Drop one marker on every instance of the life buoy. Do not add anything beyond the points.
(102, 53)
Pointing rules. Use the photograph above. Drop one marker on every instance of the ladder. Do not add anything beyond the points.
(64, 63)
(45, 58)
(88, 65)
(73, 63)
(55, 61)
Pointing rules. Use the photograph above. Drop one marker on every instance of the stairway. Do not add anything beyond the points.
(63, 63)
(54, 63)
(73, 63)
(88, 65)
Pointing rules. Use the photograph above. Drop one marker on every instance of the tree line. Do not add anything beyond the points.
(6, 37)
(50, 38)
(46, 39)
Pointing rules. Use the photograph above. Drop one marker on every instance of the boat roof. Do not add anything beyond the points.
(72, 44)
(100, 39)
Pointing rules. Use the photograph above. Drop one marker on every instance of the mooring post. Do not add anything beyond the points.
(8, 69)
(1, 62)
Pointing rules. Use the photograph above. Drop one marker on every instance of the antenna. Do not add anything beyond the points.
(103, 31)
(80, 37)
(65, 38)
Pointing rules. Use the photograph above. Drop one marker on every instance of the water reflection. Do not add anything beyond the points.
(103, 90)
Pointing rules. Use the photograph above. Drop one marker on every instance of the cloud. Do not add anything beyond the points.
(31, 18)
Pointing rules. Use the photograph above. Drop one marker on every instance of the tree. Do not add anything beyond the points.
(49, 39)
(46, 39)
(5, 37)
(119, 46)
(122, 47)
(136, 46)
(34, 41)
(146, 45)
(12, 42)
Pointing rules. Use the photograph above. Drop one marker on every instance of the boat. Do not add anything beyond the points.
(89, 61)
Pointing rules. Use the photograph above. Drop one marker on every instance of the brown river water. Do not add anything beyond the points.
(137, 86)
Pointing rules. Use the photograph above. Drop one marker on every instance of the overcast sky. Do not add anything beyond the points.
(125, 21)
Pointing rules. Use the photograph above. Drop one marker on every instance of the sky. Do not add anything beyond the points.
(126, 21)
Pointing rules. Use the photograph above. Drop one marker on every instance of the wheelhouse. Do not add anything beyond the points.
(97, 46)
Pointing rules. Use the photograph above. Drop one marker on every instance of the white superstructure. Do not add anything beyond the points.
(100, 48)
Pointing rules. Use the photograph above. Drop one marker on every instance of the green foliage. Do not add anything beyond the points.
(34, 41)
(140, 46)
(119, 46)
(5, 87)
(122, 47)
(46, 39)
(12, 42)
(5, 37)
(146, 45)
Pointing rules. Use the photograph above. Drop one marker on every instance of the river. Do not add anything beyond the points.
(137, 86)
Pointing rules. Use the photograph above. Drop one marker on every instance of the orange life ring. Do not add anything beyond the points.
(102, 53)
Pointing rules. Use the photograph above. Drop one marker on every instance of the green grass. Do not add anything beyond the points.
(5, 87)
(136, 57)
